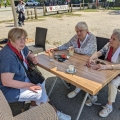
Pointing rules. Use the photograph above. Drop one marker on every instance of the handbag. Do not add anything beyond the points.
(34, 75)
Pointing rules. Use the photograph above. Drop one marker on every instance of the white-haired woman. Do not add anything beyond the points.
(83, 42)
(112, 53)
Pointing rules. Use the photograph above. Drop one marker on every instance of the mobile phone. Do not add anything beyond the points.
(57, 56)
(61, 59)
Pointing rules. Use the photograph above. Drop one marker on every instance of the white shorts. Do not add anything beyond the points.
(28, 95)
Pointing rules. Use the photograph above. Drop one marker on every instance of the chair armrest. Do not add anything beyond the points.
(42, 112)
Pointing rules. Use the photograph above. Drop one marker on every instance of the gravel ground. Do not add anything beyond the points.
(61, 29)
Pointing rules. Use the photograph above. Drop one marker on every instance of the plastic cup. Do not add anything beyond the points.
(51, 55)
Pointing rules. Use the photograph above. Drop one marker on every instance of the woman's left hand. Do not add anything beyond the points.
(99, 67)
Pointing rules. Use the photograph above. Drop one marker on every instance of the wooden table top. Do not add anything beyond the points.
(28, 40)
(89, 80)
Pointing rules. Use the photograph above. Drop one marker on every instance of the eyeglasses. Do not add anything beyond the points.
(80, 31)
(21, 39)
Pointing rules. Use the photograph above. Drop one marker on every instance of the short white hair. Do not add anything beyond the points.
(117, 33)
(82, 25)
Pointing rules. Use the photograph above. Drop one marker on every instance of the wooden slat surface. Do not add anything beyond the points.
(28, 40)
(86, 78)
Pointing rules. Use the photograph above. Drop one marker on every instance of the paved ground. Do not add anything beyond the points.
(6, 13)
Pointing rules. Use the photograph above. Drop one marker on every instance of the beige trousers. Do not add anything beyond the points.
(112, 89)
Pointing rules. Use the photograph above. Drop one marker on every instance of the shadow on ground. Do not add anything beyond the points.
(115, 12)
(10, 26)
(60, 100)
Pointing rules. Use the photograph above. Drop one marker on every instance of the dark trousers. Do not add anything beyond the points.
(21, 18)
(5, 5)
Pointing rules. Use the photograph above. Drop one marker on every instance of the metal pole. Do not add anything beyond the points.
(82, 105)
(14, 13)
(35, 11)
(83, 1)
(83, 4)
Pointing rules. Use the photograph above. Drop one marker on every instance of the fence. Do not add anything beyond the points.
(33, 13)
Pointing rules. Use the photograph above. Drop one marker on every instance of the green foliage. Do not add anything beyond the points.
(117, 1)
(73, 1)
(7, 2)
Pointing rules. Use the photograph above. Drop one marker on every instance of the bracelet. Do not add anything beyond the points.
(112, 66)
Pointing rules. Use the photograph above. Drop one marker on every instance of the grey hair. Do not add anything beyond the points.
(117, 33)
(82, 25)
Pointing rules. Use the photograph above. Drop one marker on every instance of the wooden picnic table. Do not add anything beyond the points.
(89, 80)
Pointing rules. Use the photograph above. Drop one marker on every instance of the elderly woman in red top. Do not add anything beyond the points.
(84, 42)
(112, 53)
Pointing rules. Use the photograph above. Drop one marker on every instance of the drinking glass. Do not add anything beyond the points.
(71, 50)
(71, 68)
(51, 55)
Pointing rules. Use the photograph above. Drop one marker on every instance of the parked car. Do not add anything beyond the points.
(31, 2)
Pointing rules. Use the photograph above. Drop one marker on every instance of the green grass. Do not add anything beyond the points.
(56, 16)
(34, 20)
(72, 14)
(28, 20)
(6, 21)
(115, 8)
(41, 16)
(90, 10)
(4, 10)
(64, 14)
(47, 42)
(56, 43)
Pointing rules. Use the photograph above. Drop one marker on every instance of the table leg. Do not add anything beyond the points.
(67, 86)
(51, 88)
(94, 103)
(82, 105)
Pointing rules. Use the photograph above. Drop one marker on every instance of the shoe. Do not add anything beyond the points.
(20, 25)
(94, 99)
(105, 111)
(62, 116)
(72, 94)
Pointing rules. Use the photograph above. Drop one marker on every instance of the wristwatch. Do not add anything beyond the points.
(112, 66)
